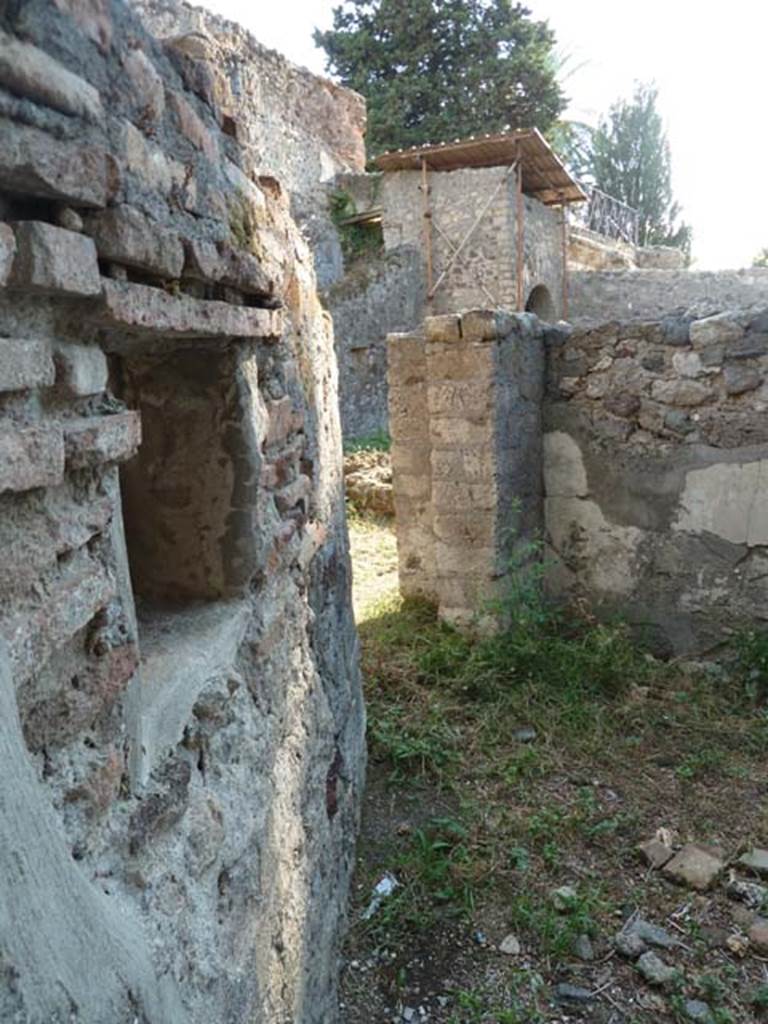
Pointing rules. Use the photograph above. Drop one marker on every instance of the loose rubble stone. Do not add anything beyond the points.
(565, 993)
(756, 860)
(750, 893)
(694, 866)
(25, 363)
(510, 945)
(525, 735)
(758, 934)
(698, 1011)
(52, 260)
(564, 898)
(583, 948)
(124, 235)
(655, 971)
(639, 935)
(29, 71)
(655, 853)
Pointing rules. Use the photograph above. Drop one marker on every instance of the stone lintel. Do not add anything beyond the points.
(136, 313)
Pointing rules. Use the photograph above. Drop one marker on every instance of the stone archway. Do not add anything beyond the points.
(540, 302)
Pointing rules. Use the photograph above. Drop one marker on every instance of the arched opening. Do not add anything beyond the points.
(540, 302)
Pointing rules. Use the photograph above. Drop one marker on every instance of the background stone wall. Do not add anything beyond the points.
(296, 126)
(484, 273)
(377, 297)
(603, 295)
(655, 446)
(181, 726)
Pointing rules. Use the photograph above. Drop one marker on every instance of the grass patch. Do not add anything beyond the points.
(378, 442)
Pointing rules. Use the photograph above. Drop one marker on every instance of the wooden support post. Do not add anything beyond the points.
(520, 218)
(564, 224)
(427, 227)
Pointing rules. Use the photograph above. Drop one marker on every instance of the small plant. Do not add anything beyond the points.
(357, 240)
(414, 748)
(751, 647)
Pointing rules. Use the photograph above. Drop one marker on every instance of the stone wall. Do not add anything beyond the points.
(376, 298)
(655, 448)
(652, 466)
(181, 721)
(484, 273)
(598, 296)
(465, 418)
(293, 125)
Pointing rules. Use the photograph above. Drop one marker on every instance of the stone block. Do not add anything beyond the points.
(92, 17)
(81, 369)
(443, 328)
(124, 235)
(694, 866)
(94, 440)
(191, 126)
(472, 464)
(137, 311)
(484, 325)
(31, 72)
(408, 413)
(680, 392)
(31, 457)
(25, 363)
(147, 83)
(34, 163)
(750, 346)
(739, 379)
(714, 330)
(459, 431)
(7, 252)
(459, 398)
(71, 601)
(221, 264)
(51, 260)
(283, 420)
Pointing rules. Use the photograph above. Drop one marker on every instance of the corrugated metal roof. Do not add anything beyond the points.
(544, 175)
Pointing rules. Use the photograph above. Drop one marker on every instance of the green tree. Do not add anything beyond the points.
(437, 70)
(631, 162)
(761, 260)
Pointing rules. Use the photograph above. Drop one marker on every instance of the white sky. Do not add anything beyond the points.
(708, 62)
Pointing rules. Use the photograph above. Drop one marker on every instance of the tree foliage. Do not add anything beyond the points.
(437, 70)
(631, 162)
(761, 260)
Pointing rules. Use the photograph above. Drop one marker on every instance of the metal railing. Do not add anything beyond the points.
(607, 216)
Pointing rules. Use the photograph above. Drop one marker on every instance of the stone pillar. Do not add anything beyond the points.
(466, 430)
(409, 429)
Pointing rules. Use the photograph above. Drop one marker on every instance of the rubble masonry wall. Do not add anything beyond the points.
(182, 728)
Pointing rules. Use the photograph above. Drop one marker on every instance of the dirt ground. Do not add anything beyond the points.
(493, 784)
